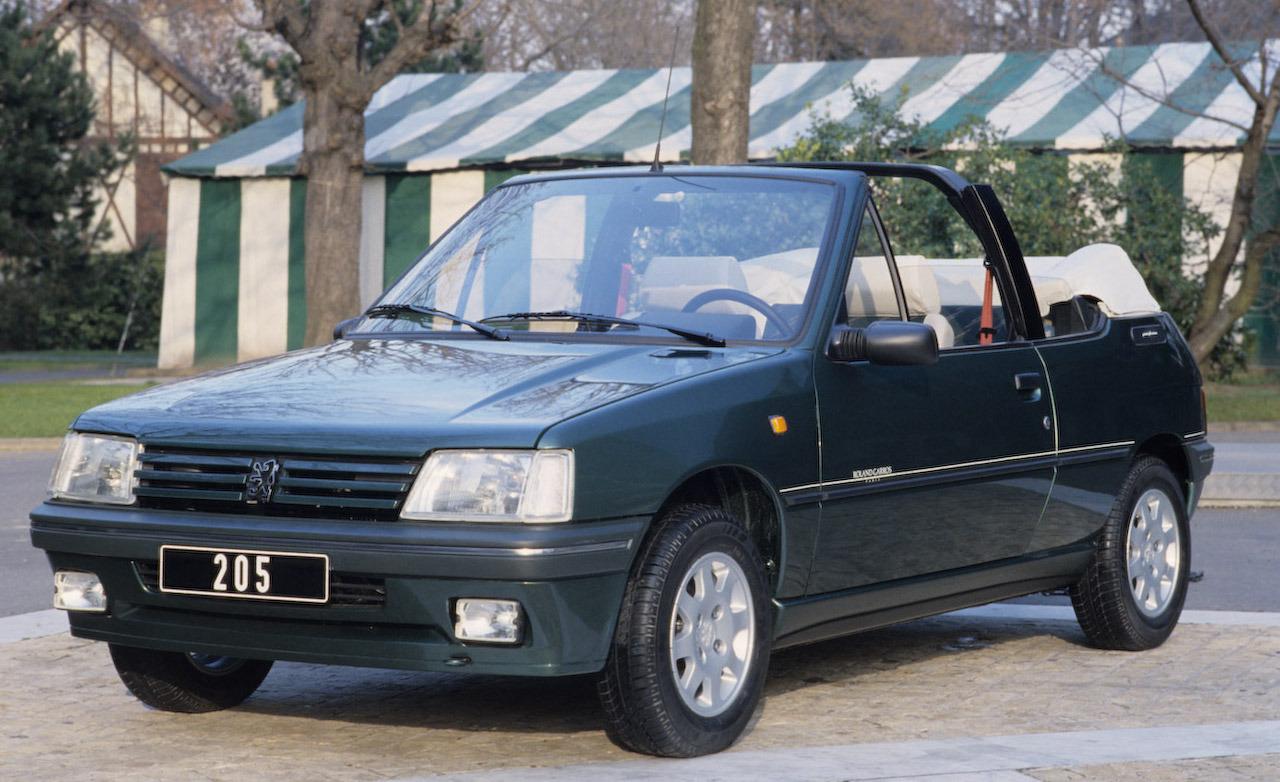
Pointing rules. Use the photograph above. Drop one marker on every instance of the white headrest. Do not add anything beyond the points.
(870, 289)
(956, 281)
(919, 284)
(781, 278)
(670, 281)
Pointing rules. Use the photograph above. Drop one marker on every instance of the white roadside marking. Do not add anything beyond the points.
(36, 624)
(996, 758)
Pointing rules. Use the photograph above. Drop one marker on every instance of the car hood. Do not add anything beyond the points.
(403, 396)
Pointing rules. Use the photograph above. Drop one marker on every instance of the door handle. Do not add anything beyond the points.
(1028, 385)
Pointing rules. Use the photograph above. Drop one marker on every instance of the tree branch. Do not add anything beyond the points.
(574, 32)
(287, 18)
(1163, 99)
(433, 29)
(1218, 46)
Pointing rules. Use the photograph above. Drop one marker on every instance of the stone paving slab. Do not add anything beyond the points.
(64, 714)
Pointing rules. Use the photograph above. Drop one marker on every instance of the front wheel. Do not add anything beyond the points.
(691, 650)
(1131, 596)
(188, 683)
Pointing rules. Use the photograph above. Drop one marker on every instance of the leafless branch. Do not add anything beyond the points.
(1163, 98)
(287, 18)
(1211, 33)
(432, 29)
(554, 42)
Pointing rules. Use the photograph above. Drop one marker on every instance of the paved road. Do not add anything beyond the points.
(1236, 549)
(1246, 452)
(25, 583)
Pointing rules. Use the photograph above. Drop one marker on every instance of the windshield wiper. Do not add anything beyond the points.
(701, 337)
(396, 310)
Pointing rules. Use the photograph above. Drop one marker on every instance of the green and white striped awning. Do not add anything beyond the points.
(1068, 99)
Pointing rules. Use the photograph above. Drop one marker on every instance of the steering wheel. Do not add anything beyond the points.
(741, 297)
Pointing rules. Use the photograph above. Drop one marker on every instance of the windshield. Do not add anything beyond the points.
(732, 257)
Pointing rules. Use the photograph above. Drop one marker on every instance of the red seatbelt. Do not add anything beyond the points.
(625, 277)
(986, 326)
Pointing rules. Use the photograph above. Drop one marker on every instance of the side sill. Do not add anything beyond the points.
(821, 617)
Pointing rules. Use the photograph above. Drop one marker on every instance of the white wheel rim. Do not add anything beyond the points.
(712, 634)
(1153, 552)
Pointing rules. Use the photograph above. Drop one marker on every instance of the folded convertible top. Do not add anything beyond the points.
(1099, 271)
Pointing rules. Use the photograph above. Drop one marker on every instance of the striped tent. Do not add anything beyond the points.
(437, 142)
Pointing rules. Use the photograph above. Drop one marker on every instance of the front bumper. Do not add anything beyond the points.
(569, 579)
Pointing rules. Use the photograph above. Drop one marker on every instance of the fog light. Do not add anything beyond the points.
(487, 621)
(77, 591)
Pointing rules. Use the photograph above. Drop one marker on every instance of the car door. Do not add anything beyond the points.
(926, 469)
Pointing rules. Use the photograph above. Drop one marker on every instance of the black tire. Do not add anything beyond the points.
(644, 712)
(173, 681)
(1105, 605)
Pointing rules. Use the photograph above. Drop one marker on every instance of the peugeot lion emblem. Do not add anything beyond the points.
(262, 480)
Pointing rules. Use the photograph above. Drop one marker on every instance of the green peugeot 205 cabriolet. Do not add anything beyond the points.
(650, 426)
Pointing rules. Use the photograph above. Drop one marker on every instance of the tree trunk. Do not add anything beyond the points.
(333, 163)
(724, 33)
(1215, 317)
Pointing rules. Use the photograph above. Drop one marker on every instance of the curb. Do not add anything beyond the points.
(36, 624)
(1244, 426)
(1242, 487)
(29, 444)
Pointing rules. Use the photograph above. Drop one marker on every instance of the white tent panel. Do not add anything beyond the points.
(178, 306)
(263, 304)
(372, 233)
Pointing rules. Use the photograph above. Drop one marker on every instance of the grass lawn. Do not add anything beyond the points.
(1248, 401)
(45, 409)
(54, 360)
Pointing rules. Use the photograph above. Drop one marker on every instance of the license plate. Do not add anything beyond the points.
(248, 575)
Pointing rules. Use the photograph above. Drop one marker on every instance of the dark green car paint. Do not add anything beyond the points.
(991, 491)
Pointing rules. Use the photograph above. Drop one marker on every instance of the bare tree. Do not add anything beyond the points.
(996, 25)
(522, 35)
(722, 49)
(1218, 312)
(792, 30)
(338, 80)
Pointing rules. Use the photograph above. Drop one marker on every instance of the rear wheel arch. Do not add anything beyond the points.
(1168, 449)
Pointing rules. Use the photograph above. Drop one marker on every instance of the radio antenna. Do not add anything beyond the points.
(662, 123)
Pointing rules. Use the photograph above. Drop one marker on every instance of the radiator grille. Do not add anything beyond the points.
(345, 589)
(328, 487)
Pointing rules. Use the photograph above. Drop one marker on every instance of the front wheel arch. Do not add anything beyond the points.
(746, 496)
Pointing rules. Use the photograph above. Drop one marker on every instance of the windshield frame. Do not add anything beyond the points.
(813, 294)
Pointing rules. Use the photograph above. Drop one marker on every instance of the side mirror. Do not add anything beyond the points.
(340, 330)
(888, 342)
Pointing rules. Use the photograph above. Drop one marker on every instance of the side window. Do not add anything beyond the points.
(940, 261)
(869, 294)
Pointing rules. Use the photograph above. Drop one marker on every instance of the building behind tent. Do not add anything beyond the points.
(142, 93)
(437, 142)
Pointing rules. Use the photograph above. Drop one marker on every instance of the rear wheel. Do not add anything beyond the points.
(691, 649)
(1132, 594)
(189, 683)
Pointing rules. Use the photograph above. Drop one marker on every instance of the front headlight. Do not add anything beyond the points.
(95, 468)
(491, 485)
